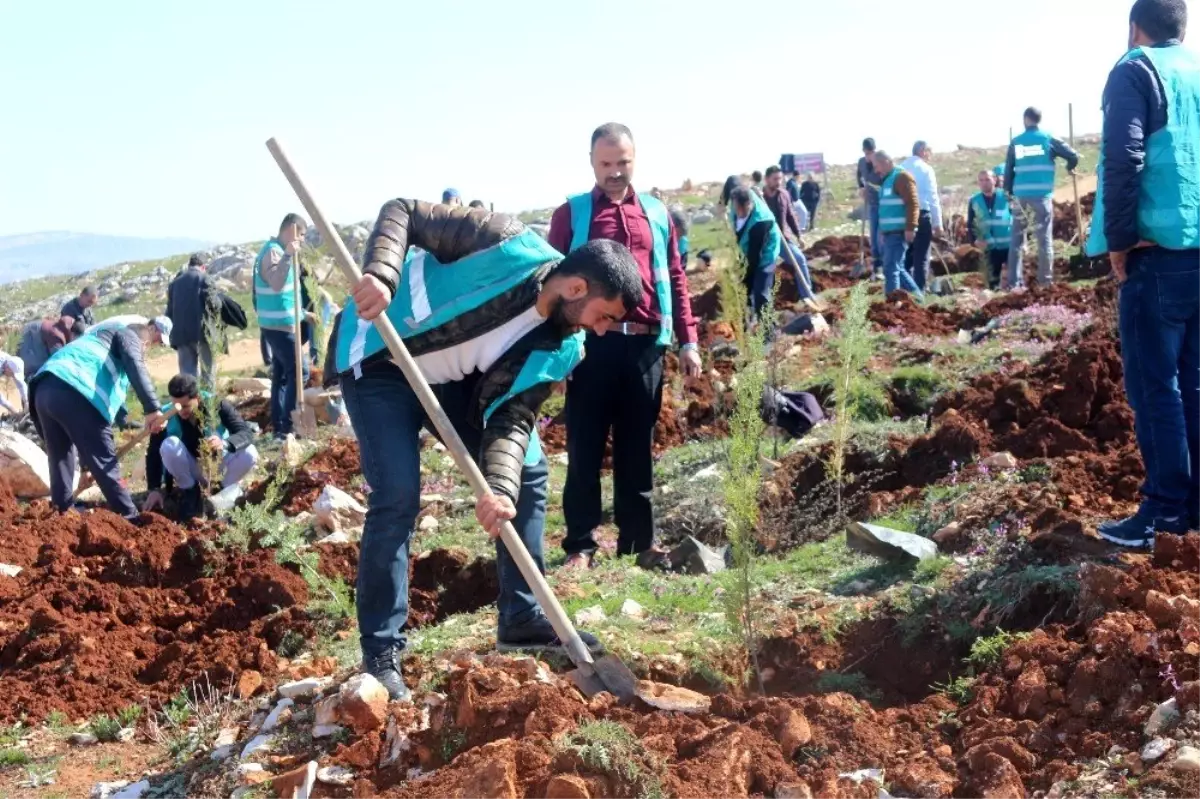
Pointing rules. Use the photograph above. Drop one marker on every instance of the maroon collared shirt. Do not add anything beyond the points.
(627, 224)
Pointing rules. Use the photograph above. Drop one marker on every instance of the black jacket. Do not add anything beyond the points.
(810, 193)
(450, 234)
(82, 316)
(191, 299)
(240, 437)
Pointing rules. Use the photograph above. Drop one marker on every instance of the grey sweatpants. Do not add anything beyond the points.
(196, 360)
(70, 423)
(1040, 212)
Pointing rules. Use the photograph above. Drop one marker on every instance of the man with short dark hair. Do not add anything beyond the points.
(493, 317)
(80, 309)
(759, 239)
(476, 204)
(619, 386)
(193, 307)
(1147, 219)
(756, 180)
(275, 276)
(868, 189)
(789, 226)
(1029, 183)
(189, 436)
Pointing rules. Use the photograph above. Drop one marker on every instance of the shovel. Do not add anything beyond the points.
(591, 676)
(813, 303)
(86, 481)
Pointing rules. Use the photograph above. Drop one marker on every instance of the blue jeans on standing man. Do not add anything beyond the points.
(1160, 347)
(876, 238)
(800, 270)
(283, 378)
(387, 418)
(895, 276)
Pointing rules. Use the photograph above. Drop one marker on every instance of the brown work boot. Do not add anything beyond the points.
(578, 562)
(655, 558)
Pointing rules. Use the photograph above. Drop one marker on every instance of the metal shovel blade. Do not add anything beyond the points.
(606, 673)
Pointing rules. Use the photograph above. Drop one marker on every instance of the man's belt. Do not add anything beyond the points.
(634, 329)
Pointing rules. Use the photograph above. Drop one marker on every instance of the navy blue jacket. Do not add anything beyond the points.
(1135, 106)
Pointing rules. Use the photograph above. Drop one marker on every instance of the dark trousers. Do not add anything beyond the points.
(760, 283)
(916, 260)
(387, 418)
(1159, 323)
(812, 213)
(996, 261)
(70, 423)
(283, 379)
(264, 348)
(618, 387)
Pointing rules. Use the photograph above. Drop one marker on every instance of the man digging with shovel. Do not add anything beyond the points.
(493, 317)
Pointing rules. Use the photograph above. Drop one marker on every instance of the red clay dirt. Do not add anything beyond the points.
(336, 463)
(108, 613)
(840, 250)
(902, 312)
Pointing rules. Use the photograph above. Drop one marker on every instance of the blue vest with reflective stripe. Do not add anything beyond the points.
(276, 309)
(660, 233)
(88, 366)
(1169, 186)
(683, 246)
(891, 205)
(1033, 165)
(771, 244)
(431, 294)
(994, 226)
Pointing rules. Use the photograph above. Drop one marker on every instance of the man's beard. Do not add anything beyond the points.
(566, 314)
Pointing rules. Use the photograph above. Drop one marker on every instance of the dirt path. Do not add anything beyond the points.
(1087, 183)
(244, 355)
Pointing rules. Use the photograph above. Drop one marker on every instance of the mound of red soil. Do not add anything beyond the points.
(337, 463)
(901, 311)
(1066, 224)
(1077, 300)
(840, 250)
(707, 304)
(108, 613)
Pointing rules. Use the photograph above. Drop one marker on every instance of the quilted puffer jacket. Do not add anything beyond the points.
(449, 234)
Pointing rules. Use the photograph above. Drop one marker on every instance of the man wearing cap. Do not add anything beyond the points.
(619, 385)
(916, 259)
(1029, 183)
(191, 305)
(451, 197)
(78, 393)
(13, 367)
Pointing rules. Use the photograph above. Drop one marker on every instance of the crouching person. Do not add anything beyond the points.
(494, 317)
(177, 448)
(78, 393)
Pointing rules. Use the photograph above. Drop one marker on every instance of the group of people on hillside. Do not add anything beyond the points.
(904, 209)
(495, 317)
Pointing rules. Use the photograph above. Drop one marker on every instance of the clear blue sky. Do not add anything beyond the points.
(148, 118)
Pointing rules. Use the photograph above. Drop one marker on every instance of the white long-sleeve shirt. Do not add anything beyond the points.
(11, 364)
(927, 188)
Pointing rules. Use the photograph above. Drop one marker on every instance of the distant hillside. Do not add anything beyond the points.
(60, 252)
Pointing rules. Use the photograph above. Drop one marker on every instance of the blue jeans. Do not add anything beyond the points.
(1160, 347)
(283, 378)
(803, 286)
(387, 418)
(895, 276)
(876, 239)
(759, 285)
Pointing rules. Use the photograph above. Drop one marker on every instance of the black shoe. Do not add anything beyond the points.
(191, 503)
(538, 636)
(1139, 529)
(384, 668)
(131, 424)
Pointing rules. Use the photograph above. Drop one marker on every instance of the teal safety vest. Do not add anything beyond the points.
(431, 294)
(660, 233)
(276, 309)
(1169, 186)
(1033, 165)
(87, 365)
(175, 427)
(773, 241)
(891, 205)
(996, 224)
(683, 246)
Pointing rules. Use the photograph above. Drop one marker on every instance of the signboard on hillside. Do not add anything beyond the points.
(802, 162)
